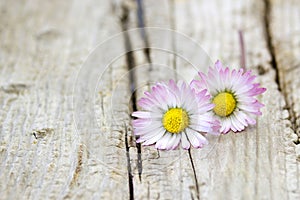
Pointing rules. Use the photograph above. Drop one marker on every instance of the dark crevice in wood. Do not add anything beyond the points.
(139, 160)
(192, 198)
(141, 24)
(266, 20)
(292, 114)
(129, 171)
(195, 175)
(130, 65)
(280, 80)
(130, 61)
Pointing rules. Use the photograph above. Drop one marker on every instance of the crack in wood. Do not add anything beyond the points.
(141, 24)
(129, 170)
(267, 28)
(280, 80)
(130, 60)
(195, 175)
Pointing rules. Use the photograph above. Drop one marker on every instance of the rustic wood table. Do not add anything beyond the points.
(49, 151)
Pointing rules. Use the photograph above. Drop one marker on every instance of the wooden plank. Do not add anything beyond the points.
(242, 166)
(42, 49)
(246, 165)
(284, 30)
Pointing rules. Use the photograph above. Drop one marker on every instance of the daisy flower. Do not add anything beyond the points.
(234, 95)
(173, 114)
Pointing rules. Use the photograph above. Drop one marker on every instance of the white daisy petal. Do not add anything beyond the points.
(163, 142)
(155, 138)
(196, 139)
(226, 125)
(236, 123)
(150, 134)
(177, 141)
(172, 141)
(153, 127)
(142, 114)
(184, 142)
(241, 117)
(250, 120)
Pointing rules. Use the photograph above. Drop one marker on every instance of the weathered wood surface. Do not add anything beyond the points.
(44, 154)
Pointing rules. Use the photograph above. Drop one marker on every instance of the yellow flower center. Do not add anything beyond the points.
(175, 120)
(225, 104)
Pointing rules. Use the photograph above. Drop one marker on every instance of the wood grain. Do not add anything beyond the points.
(284, 31)
(54, 145)
(284, 41)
